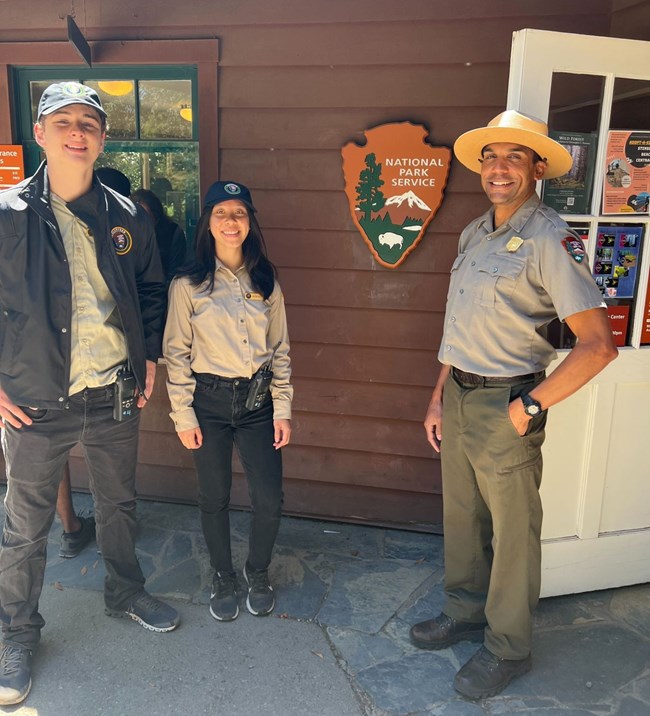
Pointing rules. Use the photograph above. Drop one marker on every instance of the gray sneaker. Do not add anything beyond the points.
(72, 543)
(149, 612)
(15, 674)
(224, 605)
(260, 600)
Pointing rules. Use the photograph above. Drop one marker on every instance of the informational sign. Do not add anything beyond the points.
(619, 317)
(571, 193)
(12, 166)
(394, 183)
(616, 260)
(626, 188)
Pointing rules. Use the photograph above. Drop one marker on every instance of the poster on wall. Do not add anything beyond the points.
(12, 167)
(616, 260)
(395, 183)
(626, 187)
(571, 193)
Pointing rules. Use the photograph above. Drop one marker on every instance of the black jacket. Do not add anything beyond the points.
(36, 290)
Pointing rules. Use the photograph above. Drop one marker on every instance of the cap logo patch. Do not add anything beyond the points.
(574, 248)
(121, 240)
(74, 90)
(232, 188)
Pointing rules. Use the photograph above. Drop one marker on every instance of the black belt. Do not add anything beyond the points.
(473, 379)
(212, 381)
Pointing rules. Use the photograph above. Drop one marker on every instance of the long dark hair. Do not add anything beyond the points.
(262, 272)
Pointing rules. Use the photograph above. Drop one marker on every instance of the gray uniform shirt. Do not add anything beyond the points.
(507, 285)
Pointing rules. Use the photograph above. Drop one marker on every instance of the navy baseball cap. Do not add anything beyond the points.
(62, 94)
(226, 190)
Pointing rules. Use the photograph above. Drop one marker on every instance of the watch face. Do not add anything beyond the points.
(531, 406)
(531, 409)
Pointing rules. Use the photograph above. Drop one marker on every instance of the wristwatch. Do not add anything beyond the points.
(532, 407)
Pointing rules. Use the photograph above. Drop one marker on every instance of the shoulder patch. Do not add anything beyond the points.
(575, 248)
(121, 240)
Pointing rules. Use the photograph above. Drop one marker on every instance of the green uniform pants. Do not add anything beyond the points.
(492, 513)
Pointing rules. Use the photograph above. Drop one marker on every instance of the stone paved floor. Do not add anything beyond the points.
(365, 586)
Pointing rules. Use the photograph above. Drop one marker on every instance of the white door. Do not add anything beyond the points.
(596, 484)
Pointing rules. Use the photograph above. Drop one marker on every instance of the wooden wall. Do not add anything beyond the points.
(297, 80)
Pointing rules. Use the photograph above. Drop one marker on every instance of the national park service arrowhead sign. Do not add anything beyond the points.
(395, 185)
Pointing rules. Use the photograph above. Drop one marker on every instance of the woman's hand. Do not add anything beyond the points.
(192, 438)
(282, 433)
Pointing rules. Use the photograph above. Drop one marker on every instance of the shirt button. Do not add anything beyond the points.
(236, 382)
(495, 269)
(244, 341)
(462, 290)
(453, 319)
(473, 263)
(447, 348)
(489, 238)
(241, 320)
(61, 400)
(64, 330)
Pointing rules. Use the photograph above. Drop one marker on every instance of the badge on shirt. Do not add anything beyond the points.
(121, 240)
(575, 248)
(254, 297)
(514, 243)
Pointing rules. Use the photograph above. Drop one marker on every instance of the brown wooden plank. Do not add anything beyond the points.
(361, 364)
(292, 248)
(126, 19)
(365, 327)
(389, 289)
(291, 169)
(334, 86)
(398, 43)
(332, 127)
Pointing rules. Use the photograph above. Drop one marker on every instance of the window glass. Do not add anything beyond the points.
(165, 109)
(118, 99)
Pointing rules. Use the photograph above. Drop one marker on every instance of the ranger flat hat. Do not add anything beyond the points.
(518, 128)
(61, 94)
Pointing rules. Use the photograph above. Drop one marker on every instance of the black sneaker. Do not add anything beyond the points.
(73, 542)
(224, 606)
(15, 674)
(260, 600)
(150, 613)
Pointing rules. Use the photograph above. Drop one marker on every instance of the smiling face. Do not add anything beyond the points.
(73, 135)
(229, 226)
(508, 176)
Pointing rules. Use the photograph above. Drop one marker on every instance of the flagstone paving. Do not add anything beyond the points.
(365, 586)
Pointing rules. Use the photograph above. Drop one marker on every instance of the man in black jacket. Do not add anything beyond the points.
(81, 309)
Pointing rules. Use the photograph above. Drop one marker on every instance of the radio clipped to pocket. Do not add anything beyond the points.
(261, 383)
(124, 401)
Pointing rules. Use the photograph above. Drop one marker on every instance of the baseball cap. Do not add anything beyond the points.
(226, 190)
(62, 94)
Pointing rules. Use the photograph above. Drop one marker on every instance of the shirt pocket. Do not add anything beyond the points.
(454, 271)
(496, 280)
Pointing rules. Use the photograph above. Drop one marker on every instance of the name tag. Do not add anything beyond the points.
(254, 297)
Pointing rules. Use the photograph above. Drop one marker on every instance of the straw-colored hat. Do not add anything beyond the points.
(512, 126)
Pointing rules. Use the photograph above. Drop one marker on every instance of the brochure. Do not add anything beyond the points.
(571, 193)
(626, 187)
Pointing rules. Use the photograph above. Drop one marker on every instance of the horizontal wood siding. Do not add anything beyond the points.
(298, 80)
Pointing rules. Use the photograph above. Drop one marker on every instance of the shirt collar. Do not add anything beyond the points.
(517, 221)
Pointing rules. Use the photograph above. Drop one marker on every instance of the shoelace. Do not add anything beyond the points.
(146, 601)
(11, 658)
(224, 584)
(259, 581)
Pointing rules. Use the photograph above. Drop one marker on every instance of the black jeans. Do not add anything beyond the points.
(224, 420)
(35, 456)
